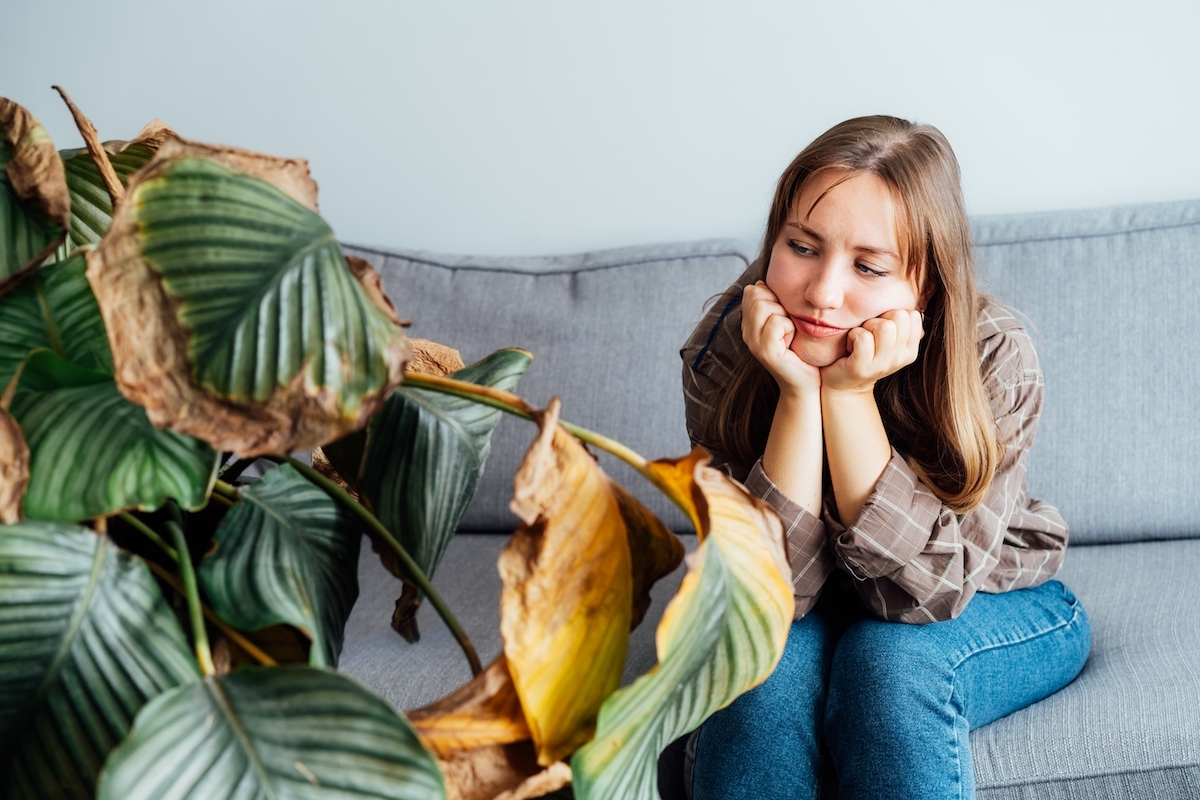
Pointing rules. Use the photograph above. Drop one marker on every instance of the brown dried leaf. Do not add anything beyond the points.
(484, 712)
(431, 358)
(565, 607)
(36, 174)
(14, 468)
(485, 772)
(551, 779)
(149, 340)
(655, 551)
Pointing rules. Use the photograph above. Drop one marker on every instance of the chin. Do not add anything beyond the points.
(819, 354)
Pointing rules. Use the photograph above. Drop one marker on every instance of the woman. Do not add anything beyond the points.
(855, 379)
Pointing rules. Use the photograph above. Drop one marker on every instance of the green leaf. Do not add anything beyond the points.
(721, 635)
(53, 309)
(251, 331)
(86, 638)
(425, 456)
(286, 553)
(93, 453)
(91, 207)
(284, 732)
(34, 204)
(262, 285)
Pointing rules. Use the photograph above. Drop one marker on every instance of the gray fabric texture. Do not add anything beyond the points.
(413, 675)
(1111, 295)
(1129, 725)
(604, 328)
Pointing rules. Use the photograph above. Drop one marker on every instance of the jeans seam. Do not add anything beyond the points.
(1066, 623)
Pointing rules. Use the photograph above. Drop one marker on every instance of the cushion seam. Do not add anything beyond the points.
(571, 271)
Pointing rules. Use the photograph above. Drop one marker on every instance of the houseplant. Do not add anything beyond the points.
(148, 355)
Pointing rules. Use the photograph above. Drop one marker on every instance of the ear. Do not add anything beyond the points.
(927, 293)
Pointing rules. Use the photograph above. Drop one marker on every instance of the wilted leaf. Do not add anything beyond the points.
(565, 606)
(14, 468)
(91, 207)
(34, 204)
(287, 553)
(485, 711)
(270, 732)
(93, 453)
(53, 309)
(720, 636)
(86, 638)
(425, 454)
(654, 550)
(231, 312)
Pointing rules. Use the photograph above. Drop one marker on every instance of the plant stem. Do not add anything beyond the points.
(415, 574)
(225, 490)
(235, 636)
(199, 634)
(148, 532)
(512, 404)
(112, 183)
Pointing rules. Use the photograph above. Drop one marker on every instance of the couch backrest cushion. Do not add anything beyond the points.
(604, 328)
(1113, 298)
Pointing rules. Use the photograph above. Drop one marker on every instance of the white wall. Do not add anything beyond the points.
(543, 127)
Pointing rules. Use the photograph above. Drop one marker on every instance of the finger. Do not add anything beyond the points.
(862, 349)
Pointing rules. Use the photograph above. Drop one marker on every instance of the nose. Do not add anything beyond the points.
(825, 289)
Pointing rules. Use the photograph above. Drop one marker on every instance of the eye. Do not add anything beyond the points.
(800, 249)
(865, 270)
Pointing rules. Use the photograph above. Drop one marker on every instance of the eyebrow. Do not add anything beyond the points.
(862, 248)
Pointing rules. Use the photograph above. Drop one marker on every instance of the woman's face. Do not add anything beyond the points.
(839, 263)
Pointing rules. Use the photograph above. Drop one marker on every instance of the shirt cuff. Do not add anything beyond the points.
(893, 527)
(807, 549)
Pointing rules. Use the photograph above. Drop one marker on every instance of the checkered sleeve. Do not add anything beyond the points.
(915, 560)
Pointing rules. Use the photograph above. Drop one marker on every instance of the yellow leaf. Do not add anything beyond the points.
(565, 608)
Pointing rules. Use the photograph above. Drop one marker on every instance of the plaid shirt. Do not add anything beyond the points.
(911, 557)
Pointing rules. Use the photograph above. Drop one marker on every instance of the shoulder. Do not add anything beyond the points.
(1007, 356)
(716, 343)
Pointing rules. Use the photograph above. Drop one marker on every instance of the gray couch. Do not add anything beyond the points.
(1113, 299)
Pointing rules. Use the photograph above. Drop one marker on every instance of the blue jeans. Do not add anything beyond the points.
(892, 703)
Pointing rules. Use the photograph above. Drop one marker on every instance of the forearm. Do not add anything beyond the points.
(794, 455)
(857, 446)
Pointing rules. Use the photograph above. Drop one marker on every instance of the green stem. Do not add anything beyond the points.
(225, 490)
(512, 404)
(415, 574)
(149, 533)
(199, 634)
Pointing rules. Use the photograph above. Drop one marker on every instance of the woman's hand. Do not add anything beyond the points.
(882, 346)
(768, 332)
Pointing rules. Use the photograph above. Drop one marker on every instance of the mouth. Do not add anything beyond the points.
(816, 328)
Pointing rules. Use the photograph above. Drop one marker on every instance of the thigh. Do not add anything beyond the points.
(903, 697)
(765, 743)
(1017, 648)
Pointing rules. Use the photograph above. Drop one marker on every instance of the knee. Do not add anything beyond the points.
(884, 675)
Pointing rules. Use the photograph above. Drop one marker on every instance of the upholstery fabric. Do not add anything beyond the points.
(1129, 726)
(605, 331)
(1111, 295)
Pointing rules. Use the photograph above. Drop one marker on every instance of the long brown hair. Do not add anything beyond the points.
(935, 411)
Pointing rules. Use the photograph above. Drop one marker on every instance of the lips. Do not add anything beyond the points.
(816, 328)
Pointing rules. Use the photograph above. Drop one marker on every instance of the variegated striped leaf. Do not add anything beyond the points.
(287, 733)
(232, 312)
(721, 635)
(91, 207)
(286, 553)
(54, 309)
(34, 203)
(93, 453)
(86, 638)
(425, 456)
